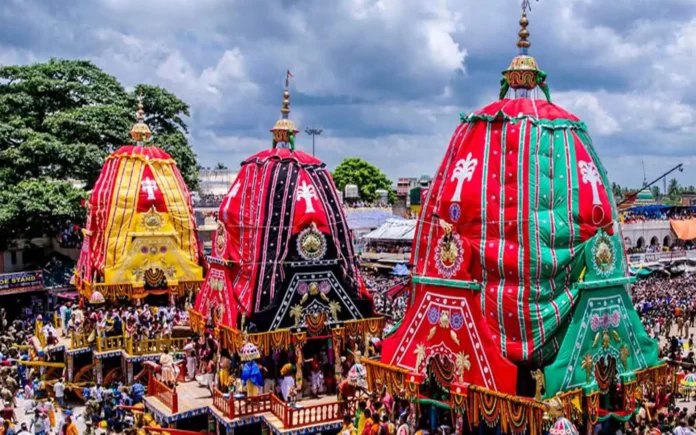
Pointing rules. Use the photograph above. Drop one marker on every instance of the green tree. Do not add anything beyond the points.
(673, 189)
(616, 190)
(655, 190)
(58, 122)
(366, 176)
(220, 166)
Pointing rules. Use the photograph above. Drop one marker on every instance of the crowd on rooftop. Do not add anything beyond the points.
(656, 213)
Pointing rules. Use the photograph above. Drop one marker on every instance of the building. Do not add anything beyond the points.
(404, 185)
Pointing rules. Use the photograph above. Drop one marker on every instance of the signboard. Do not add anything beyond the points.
(20, 282)
(634, 258)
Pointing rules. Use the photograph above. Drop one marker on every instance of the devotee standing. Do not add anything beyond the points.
(190, 352)
(168, 373)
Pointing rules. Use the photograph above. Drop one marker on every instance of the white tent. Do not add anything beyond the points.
(395, 230)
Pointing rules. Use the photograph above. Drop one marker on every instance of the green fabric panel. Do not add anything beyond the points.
(619, 417)
(436, 403)
(585, 336)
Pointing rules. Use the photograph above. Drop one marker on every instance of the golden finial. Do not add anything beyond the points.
(284, 130)
(140, 132)
(523, 74)
(524, 43)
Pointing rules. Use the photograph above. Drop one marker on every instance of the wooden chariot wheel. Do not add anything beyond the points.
(84, 378)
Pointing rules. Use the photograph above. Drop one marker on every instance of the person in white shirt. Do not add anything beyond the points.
(38, 423)
(97, 392)
(59, 391)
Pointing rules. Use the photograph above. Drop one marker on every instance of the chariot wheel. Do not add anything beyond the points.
(53, 374)
(115, 374)
(84, 378)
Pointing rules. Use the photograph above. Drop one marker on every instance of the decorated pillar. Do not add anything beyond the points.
(98, 370)
(299, 340)
(413, 383)
(129, 372)
(337, 341)
(459, 397)
(69, 366)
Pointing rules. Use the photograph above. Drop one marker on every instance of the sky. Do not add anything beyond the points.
(385, 79)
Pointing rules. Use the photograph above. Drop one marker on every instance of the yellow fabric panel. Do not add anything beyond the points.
(177, 205)
(153, 250)
(684, 229)
(124, 200)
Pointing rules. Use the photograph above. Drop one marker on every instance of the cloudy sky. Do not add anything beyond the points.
(385, 79)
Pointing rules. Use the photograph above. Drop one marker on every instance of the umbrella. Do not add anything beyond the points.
(357, 376)
(563, 426)
(249, 352)
(96, 298)
(689, 382)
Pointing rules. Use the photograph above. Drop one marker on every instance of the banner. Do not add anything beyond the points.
(20, 282)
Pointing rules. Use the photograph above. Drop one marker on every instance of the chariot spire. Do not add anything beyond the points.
(284, 130)
(140, 132)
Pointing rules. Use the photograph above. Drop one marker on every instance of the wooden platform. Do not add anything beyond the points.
(191, 398)
(194, 400)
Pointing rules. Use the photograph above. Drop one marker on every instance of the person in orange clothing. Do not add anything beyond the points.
(69, 428)
(369, 422)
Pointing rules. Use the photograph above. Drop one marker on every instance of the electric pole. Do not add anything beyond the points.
(314, 132)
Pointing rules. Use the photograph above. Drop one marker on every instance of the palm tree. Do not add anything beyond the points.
(463, 170)
(673, 189)
(220, 166)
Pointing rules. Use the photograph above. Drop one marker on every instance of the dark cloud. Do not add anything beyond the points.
(385, 79)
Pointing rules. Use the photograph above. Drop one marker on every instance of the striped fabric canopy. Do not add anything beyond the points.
(523, 188)
(137, 182)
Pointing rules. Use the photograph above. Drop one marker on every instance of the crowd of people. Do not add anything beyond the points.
(139, 323)
(349, 204)
(70, 237)
(208, 200)
(666, 305)
(656, 213)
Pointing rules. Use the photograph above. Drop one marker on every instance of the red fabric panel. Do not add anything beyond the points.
(540, 109)
(283, 154)
(150, 152)
(467, 333)
(595, 206)
(308, 206)
(150, 193)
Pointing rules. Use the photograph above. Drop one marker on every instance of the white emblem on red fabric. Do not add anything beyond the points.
(306, 192)
(463, 171)
(590, 175)
(149, 186)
